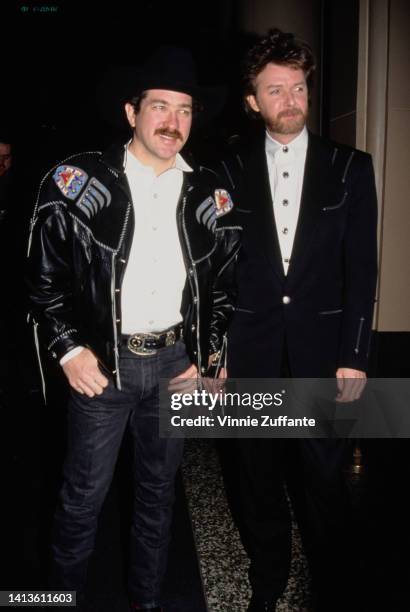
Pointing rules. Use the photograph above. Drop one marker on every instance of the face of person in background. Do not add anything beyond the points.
(5, 158)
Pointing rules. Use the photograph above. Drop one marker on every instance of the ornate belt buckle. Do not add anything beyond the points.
(170, 338)
(136, 344)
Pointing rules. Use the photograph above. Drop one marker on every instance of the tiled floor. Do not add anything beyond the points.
(223, 561)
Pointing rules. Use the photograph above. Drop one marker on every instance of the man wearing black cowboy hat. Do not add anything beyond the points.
(130, 275)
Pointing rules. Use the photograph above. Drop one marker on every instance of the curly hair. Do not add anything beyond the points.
(281, 48)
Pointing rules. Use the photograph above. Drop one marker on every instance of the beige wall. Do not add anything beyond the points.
(393, 313)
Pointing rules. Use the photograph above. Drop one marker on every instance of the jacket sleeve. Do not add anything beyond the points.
(360, 264)
(224, 285)
(50, 283)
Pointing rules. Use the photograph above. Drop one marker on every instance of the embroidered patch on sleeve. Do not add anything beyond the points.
(223, 202)
(205, 213)
(95, 197)
(70, 180)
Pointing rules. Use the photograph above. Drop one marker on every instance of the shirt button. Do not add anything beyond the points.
(150, 322)
(285, 230)
(154, 227)
(155, 195)
(285, 202)
(153, 292)
(286, 260)
(285, 174)
(285, 149)
(286, 299)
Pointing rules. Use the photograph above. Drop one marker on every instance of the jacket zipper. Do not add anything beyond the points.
(195, 292)
(37, 345)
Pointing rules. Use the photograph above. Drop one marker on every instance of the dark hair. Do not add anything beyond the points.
(277, 47)
(136, 100)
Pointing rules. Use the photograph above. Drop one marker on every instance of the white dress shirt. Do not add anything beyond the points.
(286, 166)
(155, 274)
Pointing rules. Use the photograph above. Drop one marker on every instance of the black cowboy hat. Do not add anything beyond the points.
(170, 68)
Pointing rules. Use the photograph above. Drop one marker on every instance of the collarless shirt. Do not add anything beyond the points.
(155, 275)
(286, 166)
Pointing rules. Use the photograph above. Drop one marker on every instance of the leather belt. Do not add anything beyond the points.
(148, 344)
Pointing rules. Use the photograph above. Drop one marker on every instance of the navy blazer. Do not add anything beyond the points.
(323, 307)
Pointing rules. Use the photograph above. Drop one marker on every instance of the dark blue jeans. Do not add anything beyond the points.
(96, 428)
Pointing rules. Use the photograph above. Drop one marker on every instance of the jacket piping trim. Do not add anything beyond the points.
(228, 174)
(349, 161)
(229, 227)
(334, 155)
(201, 168)
(227, 263)
(192, 272)
(329, 312)
(40, 366)
(197, 261)
(359, 333)
(61, 336)
(239, 161)
(59, 202)
(343, 200)
(124, 227)
(53, 203)
(101, 244)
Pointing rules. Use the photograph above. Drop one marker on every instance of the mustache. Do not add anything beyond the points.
(170, 133)
(293, 112)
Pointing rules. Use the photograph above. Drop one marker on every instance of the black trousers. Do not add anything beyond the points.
(261, 477)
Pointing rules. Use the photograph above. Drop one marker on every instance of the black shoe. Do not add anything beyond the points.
(258, 604)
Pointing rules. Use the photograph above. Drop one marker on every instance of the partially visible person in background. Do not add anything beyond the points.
(7, 196)
(6, 159)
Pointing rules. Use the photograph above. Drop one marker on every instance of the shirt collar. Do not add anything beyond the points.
(298, 144)
(130, 159)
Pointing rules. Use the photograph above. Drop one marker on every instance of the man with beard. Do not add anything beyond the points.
(306, 286)
(130, 282)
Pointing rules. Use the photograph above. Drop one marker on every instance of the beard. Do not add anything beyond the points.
(287, 122)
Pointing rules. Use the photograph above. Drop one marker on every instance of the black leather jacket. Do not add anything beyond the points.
(79, 244)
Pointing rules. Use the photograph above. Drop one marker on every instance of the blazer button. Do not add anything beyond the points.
(286, 299)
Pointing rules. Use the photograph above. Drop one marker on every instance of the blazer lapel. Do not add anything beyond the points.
(315, 186)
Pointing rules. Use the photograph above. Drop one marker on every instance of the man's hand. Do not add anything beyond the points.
(350, 384)
(84, 375)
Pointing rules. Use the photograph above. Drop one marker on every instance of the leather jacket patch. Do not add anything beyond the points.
(70, 180)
